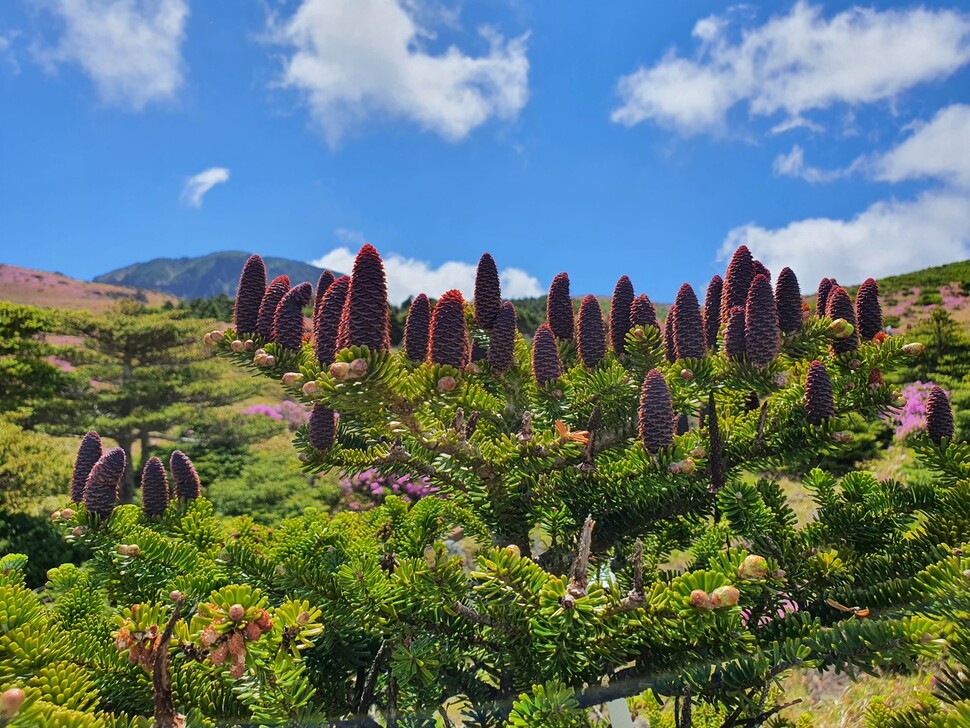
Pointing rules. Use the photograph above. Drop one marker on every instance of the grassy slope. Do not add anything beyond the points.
(53, 290)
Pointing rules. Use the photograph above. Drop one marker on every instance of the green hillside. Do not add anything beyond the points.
(204, 276)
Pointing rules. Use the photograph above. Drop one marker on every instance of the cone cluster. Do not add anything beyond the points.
(559, 308)
(249, 295)
(417, 329)
(546, 365)
(591, 338)
(488, 293)
(449, 339)
(288, 322)
(88, 453)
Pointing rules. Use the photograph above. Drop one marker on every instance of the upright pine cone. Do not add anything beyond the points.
(266, 323)
(734, 345)
(101, 487)
(939, 416)
(327, 322)
(88, 453)
(788, 301)
(449, 340)
(762, 337)
(822, 296)
(418, 328)
(501, 346)
(154, 488)
(712, 311)
(758, 268)
(670, 348)
(867, 310)
(737, 280)
(249, 294)
(839, 306)
(620, 308)
(642, 312)
(591, 339)
(365, 319)
(323, 283)
(656, 414)
(187, 485)
(288, 322)
(322, 428)
(546, 365)
(559, 308)
(819, 404)
(688, 325)
(488, 293)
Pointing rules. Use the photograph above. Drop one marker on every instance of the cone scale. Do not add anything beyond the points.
(591, 337)
(249, 296)
(449, 339)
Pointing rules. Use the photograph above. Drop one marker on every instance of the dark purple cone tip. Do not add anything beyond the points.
(501, 346)
(737, 281)
(939, 416)
(712, 311)
(249, 295)
(365, 319)
(101, 488)
(819, 404)
(822, 296)
(643, 313)
(449, 340)
(154, 488)
(656, 413)
(688, 326)
(758, 268)
(867, 310)
(488, 293)
(187, 485)
(323, 284)
(670, 349)
(734, 334)
(417, 329)
(591, 337)
(762, 335)
(788, 301)
(288, 323)
(839, 306)
(328, 321)
(88, 453)
(322, 428)
(620, 307)
(559, 308)
(266, 323)
(546, 365)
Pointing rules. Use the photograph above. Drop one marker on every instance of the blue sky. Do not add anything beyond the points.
(649, 140)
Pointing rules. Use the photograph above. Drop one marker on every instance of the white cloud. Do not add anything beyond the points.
(408, 277)
(197, 185)
(939, 149)
(888, 237)
(793, 165)
(130, 49)
(352, 59)
(796, 63)
(6, 51)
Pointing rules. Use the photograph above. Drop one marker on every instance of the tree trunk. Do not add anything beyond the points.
(146, 448)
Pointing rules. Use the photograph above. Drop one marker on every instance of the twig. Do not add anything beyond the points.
(165, 715)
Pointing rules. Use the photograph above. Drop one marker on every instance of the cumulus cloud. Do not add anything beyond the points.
(793, 165)
(939, 150)
(130, 49)
(353, 59)
(795, 63)
(408, 277)
(197, 185)
(888, 237)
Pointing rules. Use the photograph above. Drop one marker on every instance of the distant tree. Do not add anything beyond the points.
(146, 376)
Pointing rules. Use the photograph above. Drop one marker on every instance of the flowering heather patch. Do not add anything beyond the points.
(294, 414)
(559, 308)
(265, 410)
(911, 417)
(62, 364)
(364, 490)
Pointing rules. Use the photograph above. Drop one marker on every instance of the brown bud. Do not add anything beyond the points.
(686, 374)
(340, 370)
(358, 368)
(236, 346)
(700, 599)
(753, 567)
(725, 596)
(236, 612)
(291, 379)
(56, 516)
(303, 619)
(10, 702)
(67, 514)
(79, 531)
(914, 349)
(176, 595)
(447, 383)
